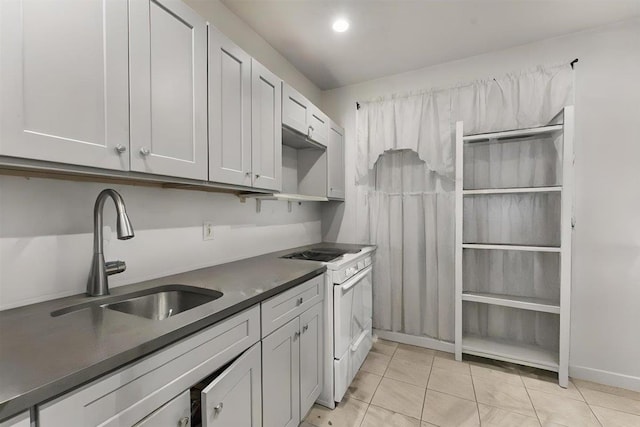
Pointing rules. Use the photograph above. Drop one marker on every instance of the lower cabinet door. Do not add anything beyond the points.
(234, 398)
(175, 413)
(311, 372)
(281, 376)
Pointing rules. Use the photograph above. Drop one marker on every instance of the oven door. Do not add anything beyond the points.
(351, 310)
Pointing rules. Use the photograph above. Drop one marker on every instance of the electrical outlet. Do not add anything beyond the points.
(207, 230)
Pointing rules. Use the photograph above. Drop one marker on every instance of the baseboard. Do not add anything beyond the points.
(425, 342)
(605, 377)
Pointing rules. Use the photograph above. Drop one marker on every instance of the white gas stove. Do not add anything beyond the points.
(348, 312)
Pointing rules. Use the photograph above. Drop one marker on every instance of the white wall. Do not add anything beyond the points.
(251, 42)
(46, 234)
(605, 342)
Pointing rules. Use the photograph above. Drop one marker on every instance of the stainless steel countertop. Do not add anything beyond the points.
(43, 356)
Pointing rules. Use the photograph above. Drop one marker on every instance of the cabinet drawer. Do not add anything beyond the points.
(21, 420)
(135, 391)
(282, 308)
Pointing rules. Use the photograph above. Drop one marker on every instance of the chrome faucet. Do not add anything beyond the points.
(98, 285)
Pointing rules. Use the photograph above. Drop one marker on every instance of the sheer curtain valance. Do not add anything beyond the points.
(424, 122)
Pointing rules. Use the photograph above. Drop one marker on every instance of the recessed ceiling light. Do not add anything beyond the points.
(340, 25)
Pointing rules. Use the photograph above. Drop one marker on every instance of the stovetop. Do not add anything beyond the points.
(320, 254)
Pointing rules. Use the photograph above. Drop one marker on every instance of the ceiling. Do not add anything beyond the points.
(391, 36)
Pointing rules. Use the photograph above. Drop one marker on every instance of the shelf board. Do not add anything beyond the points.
(286, 197)
(514, 190)
(294, 139)
(512, 247)
(524, 303)
(512, 134)
(508, 351)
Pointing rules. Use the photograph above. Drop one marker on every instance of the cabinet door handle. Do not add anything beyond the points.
(296, 335)
(218, 408)
(304, 328)
(184, 422)
(248, 174)
(120, 148)
(145, 151)
(257, 175)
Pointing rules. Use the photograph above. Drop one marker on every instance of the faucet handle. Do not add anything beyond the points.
(115, 267)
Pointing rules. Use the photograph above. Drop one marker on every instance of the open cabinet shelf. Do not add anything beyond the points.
(479, 191)
(512, 352)
(524, 303)
(512, 134)
(502, 247)
(555, 358)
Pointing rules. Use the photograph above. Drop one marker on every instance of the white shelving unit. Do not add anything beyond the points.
(502, 349)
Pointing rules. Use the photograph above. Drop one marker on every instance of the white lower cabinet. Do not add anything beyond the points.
(281, 376)
(176, 413)
(137, 390)
(234, 398)
(222, 376)
(292, 369)
(311, 372)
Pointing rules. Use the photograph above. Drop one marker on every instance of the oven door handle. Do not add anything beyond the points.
(355, 279)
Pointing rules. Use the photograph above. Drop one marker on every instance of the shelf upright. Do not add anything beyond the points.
(515, 352)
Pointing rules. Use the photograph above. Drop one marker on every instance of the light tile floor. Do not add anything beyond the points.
(405, 386)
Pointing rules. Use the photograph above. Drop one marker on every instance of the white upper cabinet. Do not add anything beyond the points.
(229, 111)
(299, 114)
(266, 107)
(318, 126)
(335, 162)
(64, 81)
(168, 72)
(295, 109)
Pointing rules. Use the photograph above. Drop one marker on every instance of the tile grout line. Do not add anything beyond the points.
(475, 397)
(607, 407)
(535, 411)
(424, 399)
(378, 386)
(588, 404)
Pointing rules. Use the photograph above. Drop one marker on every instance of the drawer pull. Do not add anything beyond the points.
(300, 301)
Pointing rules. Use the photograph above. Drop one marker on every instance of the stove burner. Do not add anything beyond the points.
(320, 254)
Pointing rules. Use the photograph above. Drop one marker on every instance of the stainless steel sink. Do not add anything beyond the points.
(155, 304)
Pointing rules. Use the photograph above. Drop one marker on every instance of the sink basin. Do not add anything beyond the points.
(156, 304)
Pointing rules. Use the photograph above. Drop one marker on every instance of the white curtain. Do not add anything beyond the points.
(404, 182)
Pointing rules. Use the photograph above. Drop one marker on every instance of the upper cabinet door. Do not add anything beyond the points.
(229, 111)
(168, 72)
(295, 109)
(64, 81)
(266, 107)
(234, 398)
(335, 162)
(318, 126)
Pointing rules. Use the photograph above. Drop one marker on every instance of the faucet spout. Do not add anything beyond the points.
(98, 285)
